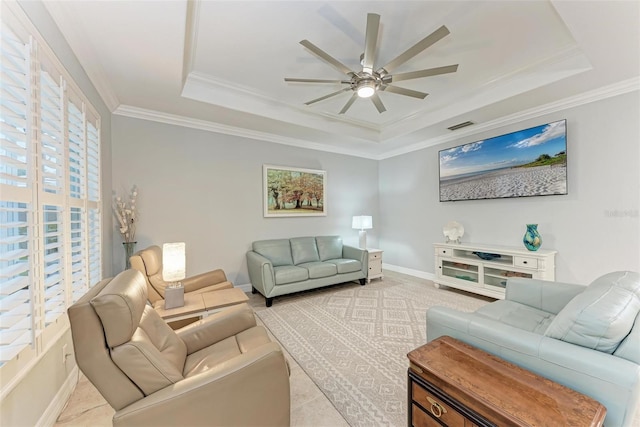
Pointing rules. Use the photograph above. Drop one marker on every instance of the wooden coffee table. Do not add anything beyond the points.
(201, 305)
(454, 384)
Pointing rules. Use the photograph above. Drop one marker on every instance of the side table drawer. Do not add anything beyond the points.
(420, 418)
(440, 410)
(374, 256)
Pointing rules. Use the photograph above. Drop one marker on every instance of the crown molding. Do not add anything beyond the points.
(599, 94)
(81, 47)
(605, 92)
(176, 120)
(190, 38)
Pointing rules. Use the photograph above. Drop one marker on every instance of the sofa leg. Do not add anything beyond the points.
(363, 281)
(254, 290)
(268, 302)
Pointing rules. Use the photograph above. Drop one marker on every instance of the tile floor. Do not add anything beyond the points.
(309, 406)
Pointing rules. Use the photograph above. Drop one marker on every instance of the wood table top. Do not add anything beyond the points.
(513, 395)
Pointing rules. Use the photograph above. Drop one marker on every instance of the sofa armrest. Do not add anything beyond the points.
(260, 273)
(203, 280)
(259, 376)
(541, 294)
(351, 252)
(217, 327)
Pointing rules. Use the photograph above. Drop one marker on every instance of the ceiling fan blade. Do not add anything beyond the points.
(404, 91)
(421, 73)
(324, 55)
(322, 98)
(416, 49)
(378, 103)
(349, 103)
(295, 80)
(371, 39)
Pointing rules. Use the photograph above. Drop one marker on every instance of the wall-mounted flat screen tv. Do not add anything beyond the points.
(529, 162)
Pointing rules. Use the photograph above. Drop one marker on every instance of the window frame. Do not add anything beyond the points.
(40, 57)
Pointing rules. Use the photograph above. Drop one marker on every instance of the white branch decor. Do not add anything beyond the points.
(127, 215)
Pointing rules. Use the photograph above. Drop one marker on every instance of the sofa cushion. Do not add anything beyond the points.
(320, 269)
(329, 247)
(346, 265)
(602, 315)
(303, 249)
(290, 274)
(277, 251)
(518, 315)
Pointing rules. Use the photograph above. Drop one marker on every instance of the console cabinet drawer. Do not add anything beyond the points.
(526, 262)
(438, 409)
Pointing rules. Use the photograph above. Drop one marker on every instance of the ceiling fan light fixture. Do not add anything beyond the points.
(366, 88)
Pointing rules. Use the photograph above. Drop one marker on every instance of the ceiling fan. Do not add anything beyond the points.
(368, 82)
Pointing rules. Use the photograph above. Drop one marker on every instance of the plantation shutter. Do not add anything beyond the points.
(77, 150)
(94, 229)
(51, 131)
(54, 262)
(16, 208)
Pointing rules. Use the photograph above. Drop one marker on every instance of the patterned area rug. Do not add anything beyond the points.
(352, 340)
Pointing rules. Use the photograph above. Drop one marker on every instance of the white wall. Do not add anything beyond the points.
(595, 228)
(205, 189)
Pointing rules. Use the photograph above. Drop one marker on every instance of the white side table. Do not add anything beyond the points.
(375, 264)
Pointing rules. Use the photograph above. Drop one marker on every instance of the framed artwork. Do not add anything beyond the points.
(294, 191)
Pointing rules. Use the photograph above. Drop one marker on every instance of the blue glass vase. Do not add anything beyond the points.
(532, 239)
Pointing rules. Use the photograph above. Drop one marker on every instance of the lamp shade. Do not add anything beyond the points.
(362, 222)
(173, 262)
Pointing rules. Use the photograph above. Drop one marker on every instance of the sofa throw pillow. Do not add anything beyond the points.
(602, 315)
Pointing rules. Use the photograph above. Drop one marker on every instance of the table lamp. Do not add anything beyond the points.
(362, 223)
(173, 270)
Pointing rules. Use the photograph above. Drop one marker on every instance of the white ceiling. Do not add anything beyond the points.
(220, 65)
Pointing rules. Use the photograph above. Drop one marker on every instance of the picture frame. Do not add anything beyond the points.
(292, 192)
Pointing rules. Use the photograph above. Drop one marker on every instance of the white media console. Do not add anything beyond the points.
(457, 266)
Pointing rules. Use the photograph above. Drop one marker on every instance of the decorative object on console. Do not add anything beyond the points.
(129, 249)
(486, 255)
(453, 231)
(532, 239)
(173, 270)
(532, 162)
(362, 223)
(294, 191)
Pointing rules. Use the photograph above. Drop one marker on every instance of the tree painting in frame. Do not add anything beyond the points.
(294, 191)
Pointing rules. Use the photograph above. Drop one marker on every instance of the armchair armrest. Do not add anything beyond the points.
(541, 294)
(260, 272)
(216, 327)
(259, 376)
(203, 280)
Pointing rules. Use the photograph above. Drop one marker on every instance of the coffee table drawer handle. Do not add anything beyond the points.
(436, 409)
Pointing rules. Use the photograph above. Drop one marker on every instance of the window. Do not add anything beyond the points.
(50, 201)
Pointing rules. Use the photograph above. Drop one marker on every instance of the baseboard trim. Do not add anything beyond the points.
(53, 411)
(409, 271)
(245, 287)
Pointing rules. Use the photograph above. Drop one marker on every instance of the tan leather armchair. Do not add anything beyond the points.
(222, 370)
(149, 262)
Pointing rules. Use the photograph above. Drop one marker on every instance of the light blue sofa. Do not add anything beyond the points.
(284, 266)
(586, 338)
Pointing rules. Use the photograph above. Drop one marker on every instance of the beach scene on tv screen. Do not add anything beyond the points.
(530, 162)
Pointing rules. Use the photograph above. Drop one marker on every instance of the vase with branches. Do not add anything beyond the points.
(126, 213)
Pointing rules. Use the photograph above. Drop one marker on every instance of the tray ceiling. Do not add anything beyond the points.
(223, 63)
